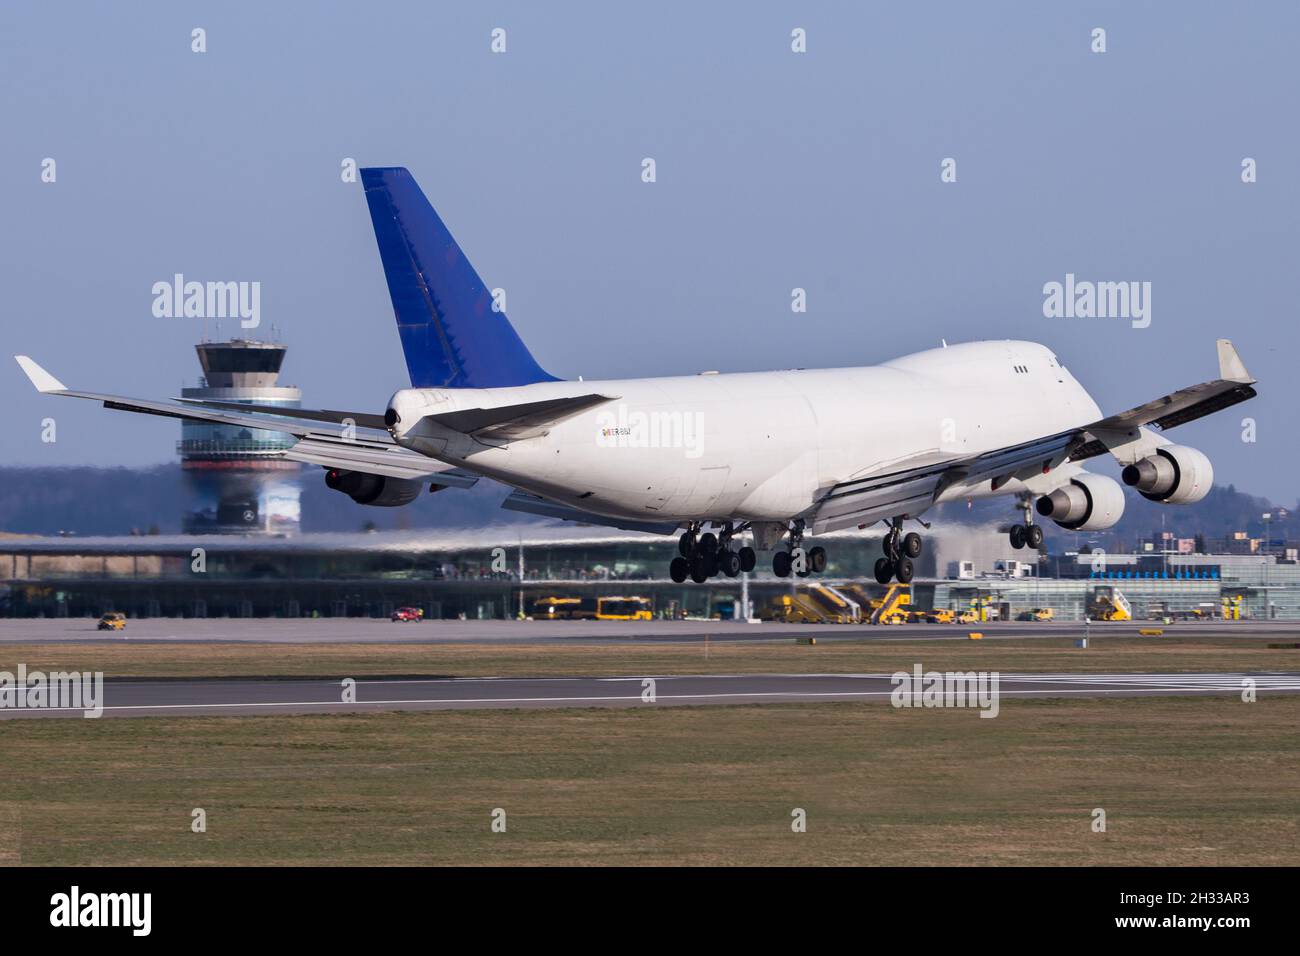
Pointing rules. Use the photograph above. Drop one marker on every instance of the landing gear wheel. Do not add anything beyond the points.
(679, 569)
(708, 543)
(781, 564)
(1034, 537)
(699, 569)
(817, 560)
(904, 570)
(912, 544)
(729, 563)
(748, 559)
(686, 544)
(1017, 536)
(884, 570)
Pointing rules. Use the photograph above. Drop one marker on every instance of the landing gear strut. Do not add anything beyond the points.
(704, 555)
(1026, 533)
(899, 549)
(802, 563)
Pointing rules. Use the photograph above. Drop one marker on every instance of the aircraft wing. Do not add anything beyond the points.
(532, 504)
(1233, 386)
(362, 419)
(369, 450)
(912, 490)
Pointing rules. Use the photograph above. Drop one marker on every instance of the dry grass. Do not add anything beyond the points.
(615, 659)
(1183, 781)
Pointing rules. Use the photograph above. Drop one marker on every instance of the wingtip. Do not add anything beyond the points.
(1231, 367)
(43, 380)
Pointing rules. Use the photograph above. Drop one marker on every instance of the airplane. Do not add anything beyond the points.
(709, 456)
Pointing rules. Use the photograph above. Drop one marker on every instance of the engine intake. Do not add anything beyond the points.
(1088, 503)
(380, 491)
(1175, 475)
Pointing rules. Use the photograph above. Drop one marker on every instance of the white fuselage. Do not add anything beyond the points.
(760, 446)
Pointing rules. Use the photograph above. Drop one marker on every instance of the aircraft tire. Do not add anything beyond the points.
(912, 544)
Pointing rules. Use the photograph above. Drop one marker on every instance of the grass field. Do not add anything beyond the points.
(603, 660)
(1205, 780)
(1183, 781)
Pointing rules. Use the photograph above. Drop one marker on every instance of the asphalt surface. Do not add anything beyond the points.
(226, 697)
(368, 631)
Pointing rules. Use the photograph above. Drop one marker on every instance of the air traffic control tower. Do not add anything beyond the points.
(237, 482)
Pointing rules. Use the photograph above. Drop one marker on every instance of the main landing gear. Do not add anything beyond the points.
(900, 549)
(702, 556)
(1026, 533)
(802, 563)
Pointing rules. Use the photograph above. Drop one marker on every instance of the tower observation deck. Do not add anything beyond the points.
(238, 480)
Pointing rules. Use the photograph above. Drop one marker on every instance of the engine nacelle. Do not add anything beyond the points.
(1174, 475)
(1088, 503)
(377, 490)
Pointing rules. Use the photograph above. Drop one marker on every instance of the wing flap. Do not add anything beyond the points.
(362, 419)
(394, 462)
(532, 504)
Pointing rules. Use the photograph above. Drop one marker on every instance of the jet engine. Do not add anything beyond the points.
(1174, 475)
(377, 490)
(1088, 503)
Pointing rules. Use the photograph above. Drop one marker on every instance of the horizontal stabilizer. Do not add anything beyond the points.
(515, 422)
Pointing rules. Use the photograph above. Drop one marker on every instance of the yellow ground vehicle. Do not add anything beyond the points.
(624, 609)
(1232, 607)
(941, 615)
(816, 604)
(893, 607)
(563, 609)
(1038, 614)
(1111, 605)
(980, 609)
(112, 621)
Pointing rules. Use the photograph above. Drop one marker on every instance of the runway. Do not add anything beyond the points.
(371, 631)
(279, 696)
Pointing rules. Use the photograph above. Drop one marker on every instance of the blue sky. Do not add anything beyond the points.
(775, 170)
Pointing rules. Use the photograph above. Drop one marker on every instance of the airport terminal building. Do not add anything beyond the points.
(499, 571)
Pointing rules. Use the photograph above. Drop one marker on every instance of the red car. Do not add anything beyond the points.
(408, 614)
